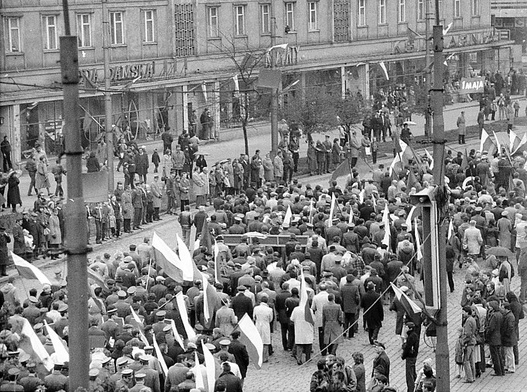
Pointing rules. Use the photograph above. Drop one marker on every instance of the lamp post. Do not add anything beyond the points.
(107, 95)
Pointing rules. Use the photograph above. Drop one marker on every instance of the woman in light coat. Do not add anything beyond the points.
(168, 164)
(268, 168)
(42, 180)
(55, 236)
(263, 317)
(278, 164)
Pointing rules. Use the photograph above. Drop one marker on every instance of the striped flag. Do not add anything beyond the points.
(210, 365)
(287, 217)
(521, 144)
(32, 345)
(331, 210)
(341, 170)
(167, 259)
(450, 230)
(383, 67)
(418, 242)
(210, 299)
(252, 340)
(485, 142)
(98, 279)
(430, 158)
(386, 220)
(200, 384)
(187, 263)
(304, 303)
(177, 336)
(160, 356)
(361, 196)
(61, 354)
(410, 307)
(498, 144)
(29, 271)
(180, 302)
(396, 160)
(409, 219)
(514, 141)
(205, 239)
(216, 256)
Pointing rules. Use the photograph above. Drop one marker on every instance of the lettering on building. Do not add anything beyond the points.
(92, 77)
(280, 56)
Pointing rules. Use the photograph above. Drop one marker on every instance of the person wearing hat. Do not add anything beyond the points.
(375, 316)
(409, 354)
(30, 382)
(224, 349)
(56, 380)
(12, 384)
(4, 252)
(381, 363)
(121, 364)
(242, 304)
(151, 376)
(469, 343)
(126, 380)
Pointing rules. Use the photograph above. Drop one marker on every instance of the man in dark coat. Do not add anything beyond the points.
(373, 311)
(227, 380)
(4, 252)
(19, 246)
(493, 336)
(242, 304)
(509, 337)
(240, 353)
(410, 349)
(350, 303)
(141, 164)
(167, 139)
(281, 311)
(381, 363)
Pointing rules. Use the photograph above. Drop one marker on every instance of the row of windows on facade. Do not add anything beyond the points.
(117, 22)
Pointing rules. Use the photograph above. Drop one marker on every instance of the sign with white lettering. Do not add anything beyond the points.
(472, 85)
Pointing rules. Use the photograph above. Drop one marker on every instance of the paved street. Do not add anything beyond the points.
(282, 373)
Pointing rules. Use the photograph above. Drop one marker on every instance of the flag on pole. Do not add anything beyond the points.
(361, 196)
(29, 271)
(498, 144)
(485, 141)
(61, 354)
(331, 210)
(383, 67)
(210, 365)
(373, 201)
(95, 277)
(167, 259)
(32, 345)
(410, 307)
(252, 340)
(186, 260)
(450, 230)
(287, 217)
(180, 302)
(341, 170)
(409, 219)
(430, 158)
(412, 180)
(311, 211)
(304, 303)
(216, 256)
(386, 221)
(464, 163)
(514, 141)
(200, 384)
(159, 355)
(395, 161)
(521, 144)
(210, 299)
(177, 336)
(418, 241)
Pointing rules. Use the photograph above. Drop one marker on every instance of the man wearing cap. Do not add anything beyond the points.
(11, 384)
(31, 381)
(242, 304)
(121, 365)
(56, 381)
(151, 376)
(177, 373)
(410, 351)
(373, 311)
(381, 363)
(126, 380)
(224, 349)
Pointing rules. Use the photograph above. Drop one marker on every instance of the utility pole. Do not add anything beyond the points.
(438, 137)
(75, 213)
(274, 100)
(428, 72)
(107, 95)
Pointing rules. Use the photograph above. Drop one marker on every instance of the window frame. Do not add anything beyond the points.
(289, 15)
(361, 13)
(213, 29)
(265, 19)
(382, 19)
(113, 28)
(421, 9)
(457, 9)
(475, 7)
(312, 25)
(9, 36)
(81, 25)
(401, 10)
(51, 33)
(146, 22)
(240, 29)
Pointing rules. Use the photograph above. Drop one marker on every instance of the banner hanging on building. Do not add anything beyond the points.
(472, 85)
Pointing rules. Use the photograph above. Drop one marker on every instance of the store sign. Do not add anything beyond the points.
(414, 44)
(128, 72)
(472, 85)
(282, 55)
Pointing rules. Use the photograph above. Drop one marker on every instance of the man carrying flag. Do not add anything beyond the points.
(303, 320)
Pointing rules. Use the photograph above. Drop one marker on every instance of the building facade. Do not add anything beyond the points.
(171, 58)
